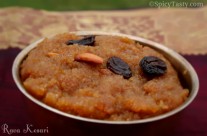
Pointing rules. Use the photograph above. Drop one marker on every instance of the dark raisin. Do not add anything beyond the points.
(89, 41)
(118, 66)
(153, 66)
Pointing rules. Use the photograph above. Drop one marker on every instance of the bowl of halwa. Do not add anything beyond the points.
(107, 78)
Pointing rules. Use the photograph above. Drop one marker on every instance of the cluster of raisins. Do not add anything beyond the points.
(150, 65)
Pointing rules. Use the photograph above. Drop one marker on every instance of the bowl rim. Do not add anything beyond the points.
(178, 57)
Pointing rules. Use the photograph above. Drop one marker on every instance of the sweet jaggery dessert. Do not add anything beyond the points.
(102, 77)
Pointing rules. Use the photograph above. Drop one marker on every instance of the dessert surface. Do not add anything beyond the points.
(102, 77)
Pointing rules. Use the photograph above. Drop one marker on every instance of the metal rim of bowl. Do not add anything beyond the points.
(193, 77)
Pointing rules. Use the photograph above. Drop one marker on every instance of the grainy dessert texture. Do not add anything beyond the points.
(53, 75)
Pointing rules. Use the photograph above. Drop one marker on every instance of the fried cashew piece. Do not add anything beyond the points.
(89, 57)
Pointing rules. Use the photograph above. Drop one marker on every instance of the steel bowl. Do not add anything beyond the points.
(186, 72)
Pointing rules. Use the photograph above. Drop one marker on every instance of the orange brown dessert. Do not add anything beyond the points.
(102, 77)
